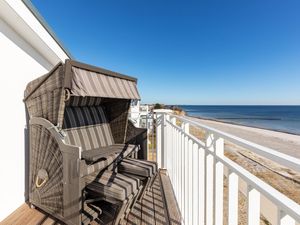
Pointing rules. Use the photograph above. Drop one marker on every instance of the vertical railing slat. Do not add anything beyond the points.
(219, 181)
(182, 170)
(186, 188)
(202, 186)
(167, 136)
(159, 138)
(253, 214)
(233, 197)
(190, 181)
(170, 152)
(209, 189)
(195, 179)
(210, 172)
(284, 219)
(176, 161)
(179, 170)
(186, 176)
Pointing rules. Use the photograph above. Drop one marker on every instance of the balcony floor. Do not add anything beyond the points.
(158, 207)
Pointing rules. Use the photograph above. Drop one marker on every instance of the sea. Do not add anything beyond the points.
(278, 118)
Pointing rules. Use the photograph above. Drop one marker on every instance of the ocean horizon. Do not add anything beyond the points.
(283, 118)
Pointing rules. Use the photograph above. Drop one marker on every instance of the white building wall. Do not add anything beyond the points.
(135, 113)
(22, 58)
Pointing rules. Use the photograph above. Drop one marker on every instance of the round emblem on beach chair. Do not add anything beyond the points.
(67, 94)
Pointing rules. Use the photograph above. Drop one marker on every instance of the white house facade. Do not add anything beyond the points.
(28, 49)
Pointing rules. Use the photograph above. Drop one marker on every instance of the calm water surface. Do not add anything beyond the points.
(279, 118)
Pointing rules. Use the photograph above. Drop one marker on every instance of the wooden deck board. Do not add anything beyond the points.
(158, 203)
(170, 202)
(147, 209)
(151, 210)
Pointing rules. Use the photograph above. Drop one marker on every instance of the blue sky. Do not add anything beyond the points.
(188, 52)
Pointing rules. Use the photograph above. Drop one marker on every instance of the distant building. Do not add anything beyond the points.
(141, 115)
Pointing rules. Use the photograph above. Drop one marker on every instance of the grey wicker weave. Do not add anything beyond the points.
(78, 128)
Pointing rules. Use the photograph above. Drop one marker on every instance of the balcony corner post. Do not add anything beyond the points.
(165, 138)
(159, 141)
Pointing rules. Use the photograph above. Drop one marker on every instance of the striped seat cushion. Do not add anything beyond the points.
(118, 152)
(138, 167)
(87, 127)
(110, 184)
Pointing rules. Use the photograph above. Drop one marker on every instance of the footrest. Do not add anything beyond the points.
(138, 167)
(111, 185)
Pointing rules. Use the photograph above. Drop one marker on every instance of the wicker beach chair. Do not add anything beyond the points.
(79, 135)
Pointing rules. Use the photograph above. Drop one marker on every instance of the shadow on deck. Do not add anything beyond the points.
(158, 206)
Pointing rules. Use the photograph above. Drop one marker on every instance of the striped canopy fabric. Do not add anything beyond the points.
(89, 83)
(75, 84)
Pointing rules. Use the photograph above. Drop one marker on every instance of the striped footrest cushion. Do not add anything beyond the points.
(138, 167)
(113, 185)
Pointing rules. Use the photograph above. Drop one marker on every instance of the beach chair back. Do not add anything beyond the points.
(85, 123)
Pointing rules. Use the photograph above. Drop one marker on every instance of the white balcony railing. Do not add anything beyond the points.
(197, 170)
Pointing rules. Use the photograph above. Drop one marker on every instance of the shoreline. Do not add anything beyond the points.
(279, 141)
(243, 125)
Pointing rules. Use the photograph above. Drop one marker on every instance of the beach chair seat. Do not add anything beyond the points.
(105, 157)
(142, 169)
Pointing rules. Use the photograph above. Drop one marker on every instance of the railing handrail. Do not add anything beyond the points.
(277, 197)
(274, 155)
(197, 168)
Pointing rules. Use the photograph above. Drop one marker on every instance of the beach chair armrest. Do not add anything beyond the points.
(72, 187)
(71, 154)
(137, 136)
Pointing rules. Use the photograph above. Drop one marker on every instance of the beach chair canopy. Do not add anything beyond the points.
(75, 84)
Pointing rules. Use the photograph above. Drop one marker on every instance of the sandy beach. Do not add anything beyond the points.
(282, 142)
